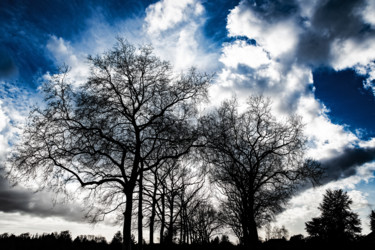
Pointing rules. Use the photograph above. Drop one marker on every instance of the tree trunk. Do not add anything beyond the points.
(127, 243)
(152, 222)
(181, 226)
(140, 214)
(170, 224)
(253, 238)
(253, 231)
(162, 217)
(153, 209)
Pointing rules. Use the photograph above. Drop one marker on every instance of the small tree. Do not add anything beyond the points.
(117, 239)
(280, 232)
(337, 221)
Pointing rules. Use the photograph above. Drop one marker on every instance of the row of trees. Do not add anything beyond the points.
(177, 202)
(62, 240)
(131, 131)
(337, 226)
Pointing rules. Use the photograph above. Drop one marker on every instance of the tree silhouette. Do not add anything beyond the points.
(372, 220)
(337, 222)
(117, 239)
(130, 116)
(204, 222)
(256, 161)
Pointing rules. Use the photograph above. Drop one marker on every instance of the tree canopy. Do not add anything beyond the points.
(256, 161)
(337, 222)
(131, 115)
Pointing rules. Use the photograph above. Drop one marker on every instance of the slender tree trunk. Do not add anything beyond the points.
(186, 229)
(127, 243)
(152, 222)
(162, 226)
(153, 209)
(170, 225)
(140, 214)
(181, 226)
(182, 217)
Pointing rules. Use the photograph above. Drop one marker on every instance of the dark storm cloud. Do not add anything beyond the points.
(333, 20)
(15, 199)
(345, 164)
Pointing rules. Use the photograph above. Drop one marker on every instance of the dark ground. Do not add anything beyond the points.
(61, 241)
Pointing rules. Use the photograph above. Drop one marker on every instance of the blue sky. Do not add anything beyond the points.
(312, 58)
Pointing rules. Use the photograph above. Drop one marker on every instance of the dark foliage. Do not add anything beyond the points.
(372, 220)
(63, 241)
(58, 241)
(337, 222)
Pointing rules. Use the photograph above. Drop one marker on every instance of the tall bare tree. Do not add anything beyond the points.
(132, 112)
(256, 161)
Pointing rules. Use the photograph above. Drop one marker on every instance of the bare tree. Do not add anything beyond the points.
(132, 112)
(205, 222)
(172, 194)
(256, 161)
(178, 186)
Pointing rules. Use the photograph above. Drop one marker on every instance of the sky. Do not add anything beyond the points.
(313, 58)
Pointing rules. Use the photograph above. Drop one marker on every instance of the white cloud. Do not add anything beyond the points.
(166, 14)
(4, 123)
(350, 53)
(15, 104)
(368, 12)
(65, 54)
(368, 71)
(240, 52)
(175, 30)
(326, 139)
(276, 38)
